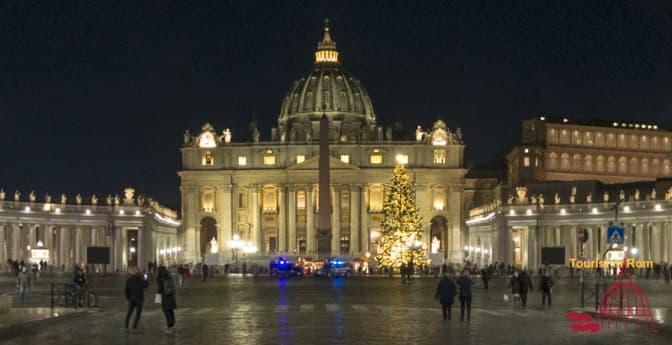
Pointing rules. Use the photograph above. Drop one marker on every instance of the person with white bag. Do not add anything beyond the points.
(135, 294)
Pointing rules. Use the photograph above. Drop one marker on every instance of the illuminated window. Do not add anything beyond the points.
(345, 158)
(376, 159)
(242, 160)
(402, 158)
(376, 198)
(207, 159)
(269, 160)
(300, 158)
(526, 161)
(301, 200)
(269, 200)
(208, 199)
(345, 245)
(439, 197)
(439, 156)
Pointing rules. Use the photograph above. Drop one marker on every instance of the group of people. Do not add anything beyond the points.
(447, 290)
(135, 294)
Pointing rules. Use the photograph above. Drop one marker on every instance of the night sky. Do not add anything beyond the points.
(95, 95)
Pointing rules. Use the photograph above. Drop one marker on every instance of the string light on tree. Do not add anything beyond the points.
(401, 223)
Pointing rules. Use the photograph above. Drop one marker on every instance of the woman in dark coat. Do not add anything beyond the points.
(167, 290)
(445, 292)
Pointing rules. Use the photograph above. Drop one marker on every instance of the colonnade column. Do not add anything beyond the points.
(257, 239)
(78, 240)
(2, 243)
(364, 237)
(354, 215)
(506, 244)
(665, 242)
(655, 243)
(532, 248)
(556, 237)
(310, 220)
(282, 220)
(16, 241)
(291, 210)
(63, 253)
(336, 223)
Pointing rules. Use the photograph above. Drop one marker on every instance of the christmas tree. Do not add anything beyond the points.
(402, 227)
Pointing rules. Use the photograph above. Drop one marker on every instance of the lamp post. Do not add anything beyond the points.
(412, 247)
(235, 244)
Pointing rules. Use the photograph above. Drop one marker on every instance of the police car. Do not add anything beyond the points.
(337, 267)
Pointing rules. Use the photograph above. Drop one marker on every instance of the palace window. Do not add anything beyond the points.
(242, 160)
(269, 202)
(376, 157)
(269, 158)
(300, 158)
(207, 159)
(526, 161)
(345, 245)
(439, 156)
(345, 158)
(439, 198)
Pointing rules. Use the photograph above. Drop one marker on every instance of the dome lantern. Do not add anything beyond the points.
(326, 49)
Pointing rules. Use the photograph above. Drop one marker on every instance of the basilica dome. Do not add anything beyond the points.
(326, 89)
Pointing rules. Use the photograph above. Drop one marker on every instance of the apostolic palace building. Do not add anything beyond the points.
(565, 184)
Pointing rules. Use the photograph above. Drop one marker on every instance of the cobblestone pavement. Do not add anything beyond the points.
(308, 310)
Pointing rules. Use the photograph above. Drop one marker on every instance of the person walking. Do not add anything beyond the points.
(445, 293)
(465, 284)
(514, 284)
(206, 271)
(23, 282)
(525, 286)
(485, 275)
(167, 289)
(135, 294)
(545, 287)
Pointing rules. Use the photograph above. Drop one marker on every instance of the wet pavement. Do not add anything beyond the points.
(361, 310)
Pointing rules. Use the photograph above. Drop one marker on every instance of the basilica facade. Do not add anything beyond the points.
(265, 192)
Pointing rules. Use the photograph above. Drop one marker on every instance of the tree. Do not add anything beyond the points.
(402, 225)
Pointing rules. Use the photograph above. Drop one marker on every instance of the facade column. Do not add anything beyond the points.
(664, 242)
(190, 247)
(121, 248)
(336, 223)
(32, 229)
(310, 221)
(506, 243)
(364, 237)
(16, 241)
(282, 220)
(656, 243)
(291, 217)
(257, 237)
(532, 247)
(354, 216)
(224, 206)
(78, 240)
(556, 237)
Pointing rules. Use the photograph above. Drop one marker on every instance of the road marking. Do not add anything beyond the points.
(490, 312)
(359, 308)
(183, 310)
(203, 311)
(152, 312)
(281, 309)
(307, 307)
(332, 307)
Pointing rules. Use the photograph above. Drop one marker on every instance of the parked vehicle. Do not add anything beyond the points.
(282, 267)
(335, 267)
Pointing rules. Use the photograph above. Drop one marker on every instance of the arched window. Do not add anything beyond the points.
(564, 161)
(645, 167)
(270, 203)
(552, 161)
(588, 163)
(655, 144)
(611, 140)
(439, 198)
(666, 168)
(611, 164)
(634, 166)
(622, 165)
(599, 164)
(655, 167)
(622, 141)
(576, 162)
(634, 142)
(644, 143)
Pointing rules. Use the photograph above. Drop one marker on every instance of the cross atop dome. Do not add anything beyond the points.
(326, 49)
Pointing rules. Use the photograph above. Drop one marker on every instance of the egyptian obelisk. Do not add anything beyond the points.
(324, 221)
